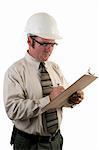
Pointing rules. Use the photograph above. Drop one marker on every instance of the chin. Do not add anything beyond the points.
(45, 59)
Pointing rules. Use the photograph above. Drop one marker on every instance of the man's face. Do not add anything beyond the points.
(42, 48)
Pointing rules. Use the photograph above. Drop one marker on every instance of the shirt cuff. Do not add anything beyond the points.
(44, 101)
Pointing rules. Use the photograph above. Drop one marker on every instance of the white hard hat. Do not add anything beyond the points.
(42, 25)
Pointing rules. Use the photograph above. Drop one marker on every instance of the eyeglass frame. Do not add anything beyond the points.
(44, 44)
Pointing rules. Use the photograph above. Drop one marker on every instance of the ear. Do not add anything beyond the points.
(29, 41)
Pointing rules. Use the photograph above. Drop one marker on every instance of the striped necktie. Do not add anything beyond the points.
(51, 115)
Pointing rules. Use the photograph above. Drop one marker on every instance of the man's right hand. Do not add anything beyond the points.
(55, 92)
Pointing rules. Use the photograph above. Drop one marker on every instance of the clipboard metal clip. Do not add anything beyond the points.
(89, 71)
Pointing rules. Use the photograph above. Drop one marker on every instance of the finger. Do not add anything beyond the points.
(76, 101)
(61, 87)
(80, 94)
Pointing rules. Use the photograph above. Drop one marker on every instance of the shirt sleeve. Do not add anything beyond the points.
(16, 104)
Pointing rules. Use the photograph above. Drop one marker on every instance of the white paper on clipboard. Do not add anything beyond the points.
(61, 100)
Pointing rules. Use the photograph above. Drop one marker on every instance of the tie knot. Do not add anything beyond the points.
(42, 64)
(42, 67)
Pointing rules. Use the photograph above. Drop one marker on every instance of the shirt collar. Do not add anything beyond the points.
(32, 60)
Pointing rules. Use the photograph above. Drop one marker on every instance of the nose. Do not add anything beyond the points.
(47, 48)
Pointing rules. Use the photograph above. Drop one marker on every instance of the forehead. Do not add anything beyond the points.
(45, 40)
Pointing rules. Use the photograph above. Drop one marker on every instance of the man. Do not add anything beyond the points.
(26, 91)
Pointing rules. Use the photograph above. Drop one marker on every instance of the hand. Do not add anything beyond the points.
(76, 98)
(55, 92)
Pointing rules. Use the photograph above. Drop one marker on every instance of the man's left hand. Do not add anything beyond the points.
(76, 98)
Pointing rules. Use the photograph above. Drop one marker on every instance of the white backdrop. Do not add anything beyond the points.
(78, 22)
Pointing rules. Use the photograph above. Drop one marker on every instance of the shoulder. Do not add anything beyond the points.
(55, 67)
(16, 67)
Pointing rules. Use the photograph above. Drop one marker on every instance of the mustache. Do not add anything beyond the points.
(45, 52)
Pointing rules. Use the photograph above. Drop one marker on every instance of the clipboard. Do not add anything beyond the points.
(62, 99)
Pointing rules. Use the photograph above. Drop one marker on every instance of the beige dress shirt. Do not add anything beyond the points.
(23, 94)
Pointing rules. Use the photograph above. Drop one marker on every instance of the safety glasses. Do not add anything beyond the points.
(44, 44)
